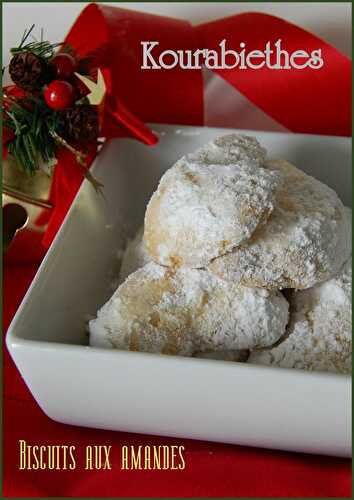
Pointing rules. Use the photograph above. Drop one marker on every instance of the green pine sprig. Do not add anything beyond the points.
(41, 48)
(39, 130)
(34, 125)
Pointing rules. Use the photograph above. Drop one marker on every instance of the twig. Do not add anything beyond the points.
(79, 155)
(81, 160)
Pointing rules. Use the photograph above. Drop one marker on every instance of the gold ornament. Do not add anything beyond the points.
(24, 199)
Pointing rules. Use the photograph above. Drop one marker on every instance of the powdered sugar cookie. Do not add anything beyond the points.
(305, 240)
(230, 149)
(187, 311)
(201, 210)
(319, 336)
(134, 256)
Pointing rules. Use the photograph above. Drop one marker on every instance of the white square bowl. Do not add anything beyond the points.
(157, 394)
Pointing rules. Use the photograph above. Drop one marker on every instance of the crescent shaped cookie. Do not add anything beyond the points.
(203, 210)
(319, 336)
(305, 240)
(186, 311)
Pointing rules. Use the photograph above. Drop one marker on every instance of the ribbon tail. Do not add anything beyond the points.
(137, 128)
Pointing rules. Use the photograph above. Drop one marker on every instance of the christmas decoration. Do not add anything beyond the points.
(64, 66)
(29, 67)
(60, 102)
(32, 124)
(46, 110)
(59, 94)
(81, 123)
(26, 70)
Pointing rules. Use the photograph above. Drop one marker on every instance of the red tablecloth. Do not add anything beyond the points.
(212, 470)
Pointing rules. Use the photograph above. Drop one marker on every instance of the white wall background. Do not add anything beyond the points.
(331, 21)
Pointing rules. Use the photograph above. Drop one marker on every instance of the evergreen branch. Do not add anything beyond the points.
(26, 34)
(42, 48)
(31, 121)
(38, 130)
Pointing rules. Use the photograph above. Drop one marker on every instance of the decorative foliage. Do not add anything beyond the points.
(47, 109)
(33, 124)
(43, 49)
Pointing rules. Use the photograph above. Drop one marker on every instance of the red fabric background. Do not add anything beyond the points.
(212, 469)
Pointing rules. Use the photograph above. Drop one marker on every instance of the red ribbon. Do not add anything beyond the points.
(306, 100)
(174, 96)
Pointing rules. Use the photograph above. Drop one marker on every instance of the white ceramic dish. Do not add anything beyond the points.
(137, 392)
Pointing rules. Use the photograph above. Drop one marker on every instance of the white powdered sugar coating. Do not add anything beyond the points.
(319, 336)
(305, 240)
(202, 210)
(187, 311)
(134, 256)
(230, 149)
(250, 223)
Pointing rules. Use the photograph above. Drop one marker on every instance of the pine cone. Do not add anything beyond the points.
(81, 123)
(27, 70)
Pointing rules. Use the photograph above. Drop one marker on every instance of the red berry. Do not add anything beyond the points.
(64, 65)
(59, 94)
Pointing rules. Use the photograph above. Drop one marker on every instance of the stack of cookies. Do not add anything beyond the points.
(241, 258)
